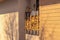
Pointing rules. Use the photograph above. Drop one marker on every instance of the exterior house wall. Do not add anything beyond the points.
(7, 11)
(50, 19)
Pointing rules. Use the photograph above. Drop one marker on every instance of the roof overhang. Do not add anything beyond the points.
(49, 2)
(9, 6)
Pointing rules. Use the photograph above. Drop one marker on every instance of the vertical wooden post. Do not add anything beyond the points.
(22, 6)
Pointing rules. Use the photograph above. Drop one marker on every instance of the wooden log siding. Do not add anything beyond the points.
(50, 20)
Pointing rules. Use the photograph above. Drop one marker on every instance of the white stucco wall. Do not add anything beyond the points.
(7, 11)
(9, 26)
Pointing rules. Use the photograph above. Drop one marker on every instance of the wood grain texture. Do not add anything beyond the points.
(50, 20)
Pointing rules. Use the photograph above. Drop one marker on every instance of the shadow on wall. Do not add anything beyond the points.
(48, 2)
